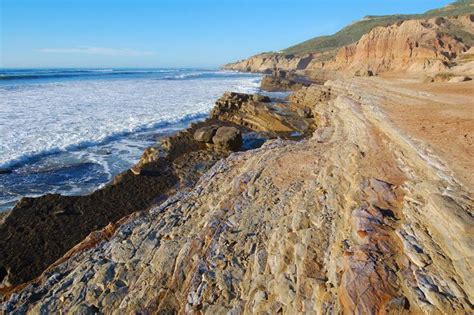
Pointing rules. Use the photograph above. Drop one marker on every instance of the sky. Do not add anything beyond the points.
(171, 33)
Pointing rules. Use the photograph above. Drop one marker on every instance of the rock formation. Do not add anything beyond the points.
(256, 113)
(350, 197)
(55, 223)
(228, 138)
(268, 62)
(356, 219)
(412, 46)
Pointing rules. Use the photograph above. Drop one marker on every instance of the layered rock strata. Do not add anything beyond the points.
(38, 231)
(277, 119)
(356, 219)
(413, 46)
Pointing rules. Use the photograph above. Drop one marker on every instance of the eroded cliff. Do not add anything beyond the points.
(412, 46)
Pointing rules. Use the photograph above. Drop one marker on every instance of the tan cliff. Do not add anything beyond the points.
(366, 216)
(412, 46)
(267, 62)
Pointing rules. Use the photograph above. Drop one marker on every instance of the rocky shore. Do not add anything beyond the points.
(55, 223)
(350, 219)
(353, 195)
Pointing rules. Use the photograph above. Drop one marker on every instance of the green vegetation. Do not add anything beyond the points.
(355, 31)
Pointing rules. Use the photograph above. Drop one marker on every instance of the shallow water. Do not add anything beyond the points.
(70, 131)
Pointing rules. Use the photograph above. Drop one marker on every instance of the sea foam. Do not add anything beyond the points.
(43, 118)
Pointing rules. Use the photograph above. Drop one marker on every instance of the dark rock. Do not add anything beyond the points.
(280, 73)
(287, 83)
(229, 138)
(261, 98)
(6, 170)
(39, 231)
(205, 134)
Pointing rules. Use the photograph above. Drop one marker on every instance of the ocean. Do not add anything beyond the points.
(70, 131)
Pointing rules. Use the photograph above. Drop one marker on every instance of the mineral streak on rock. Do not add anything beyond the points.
(354, 219)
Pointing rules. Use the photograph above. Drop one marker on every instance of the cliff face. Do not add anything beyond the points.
(266, 63)
(360, 218)
(411, 46)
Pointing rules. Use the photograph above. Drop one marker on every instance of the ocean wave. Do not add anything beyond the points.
(44, 119)
(202, 74)
(50, 74)
(29, 157)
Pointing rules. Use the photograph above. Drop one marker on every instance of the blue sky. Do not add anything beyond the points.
(171, 33)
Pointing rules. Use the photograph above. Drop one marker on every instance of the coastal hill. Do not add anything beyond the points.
(352, 33)
(430, 42)
(353, 195)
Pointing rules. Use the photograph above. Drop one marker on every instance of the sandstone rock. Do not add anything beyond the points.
(311, 96)
(459, 79)
(229, 138)
(305, 112)
(364, 73)
(245, 110)
(205, 134)
(412, 46)
(267, 62)
(136, 170)
(317, 227)
(429, 79)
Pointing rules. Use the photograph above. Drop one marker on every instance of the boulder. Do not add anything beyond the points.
(304, 112)
(205, 134)
(229, 138)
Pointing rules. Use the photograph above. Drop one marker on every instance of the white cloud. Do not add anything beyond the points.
(91, 50)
